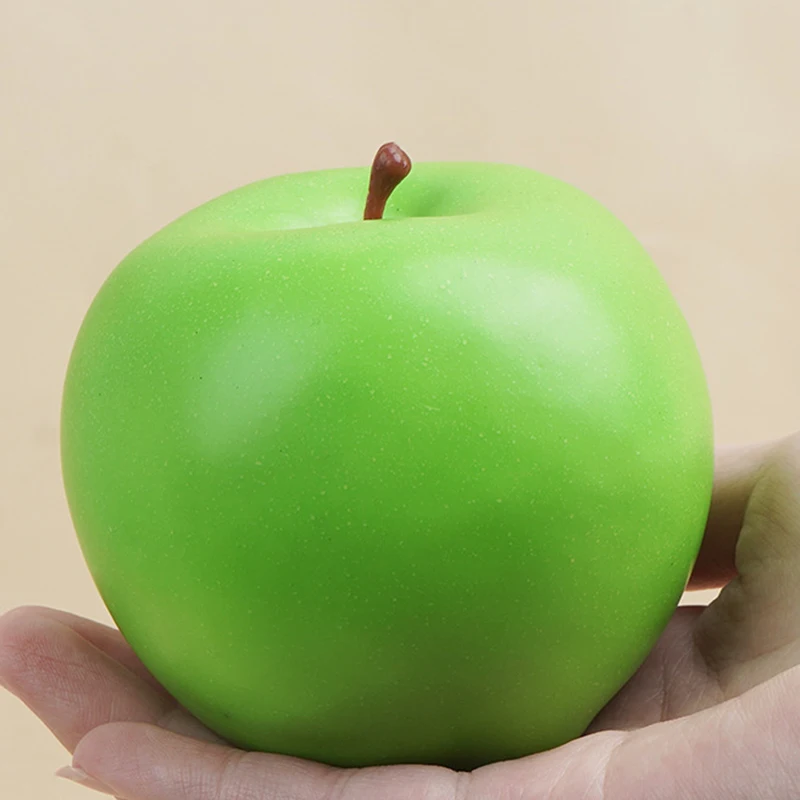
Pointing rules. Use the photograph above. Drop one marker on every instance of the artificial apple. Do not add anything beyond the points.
(419, 488)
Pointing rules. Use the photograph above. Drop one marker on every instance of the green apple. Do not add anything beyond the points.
(424, 488)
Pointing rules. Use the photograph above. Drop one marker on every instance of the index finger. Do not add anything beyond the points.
(736, 473)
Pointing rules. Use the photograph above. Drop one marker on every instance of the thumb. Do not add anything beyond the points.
(140, 761)
(740, 750)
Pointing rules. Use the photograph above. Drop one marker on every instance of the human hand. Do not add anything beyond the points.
(714, 712)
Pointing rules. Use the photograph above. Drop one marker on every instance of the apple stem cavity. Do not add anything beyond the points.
(390, 165)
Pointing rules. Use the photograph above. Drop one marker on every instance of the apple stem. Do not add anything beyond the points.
(390, 165)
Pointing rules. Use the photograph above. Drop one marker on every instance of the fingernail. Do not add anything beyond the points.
(77, 775)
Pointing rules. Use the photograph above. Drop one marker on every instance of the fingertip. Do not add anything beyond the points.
(82, 778)
(25, 633)
(736, 472)
(110, 755)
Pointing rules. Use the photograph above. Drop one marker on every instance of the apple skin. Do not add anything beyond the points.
(420, 489)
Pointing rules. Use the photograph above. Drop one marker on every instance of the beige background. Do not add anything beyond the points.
(116, 116)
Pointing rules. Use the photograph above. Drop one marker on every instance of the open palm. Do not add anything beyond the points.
(714, 712)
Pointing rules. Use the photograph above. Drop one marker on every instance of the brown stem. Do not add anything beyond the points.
(390, 166)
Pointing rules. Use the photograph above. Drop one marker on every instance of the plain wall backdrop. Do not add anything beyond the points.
(117, 116)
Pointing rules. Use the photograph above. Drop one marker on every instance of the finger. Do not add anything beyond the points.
(72, 685)
(144, 762)
(752, 631)
(736, 473)
(108, 640)
(742, 749)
